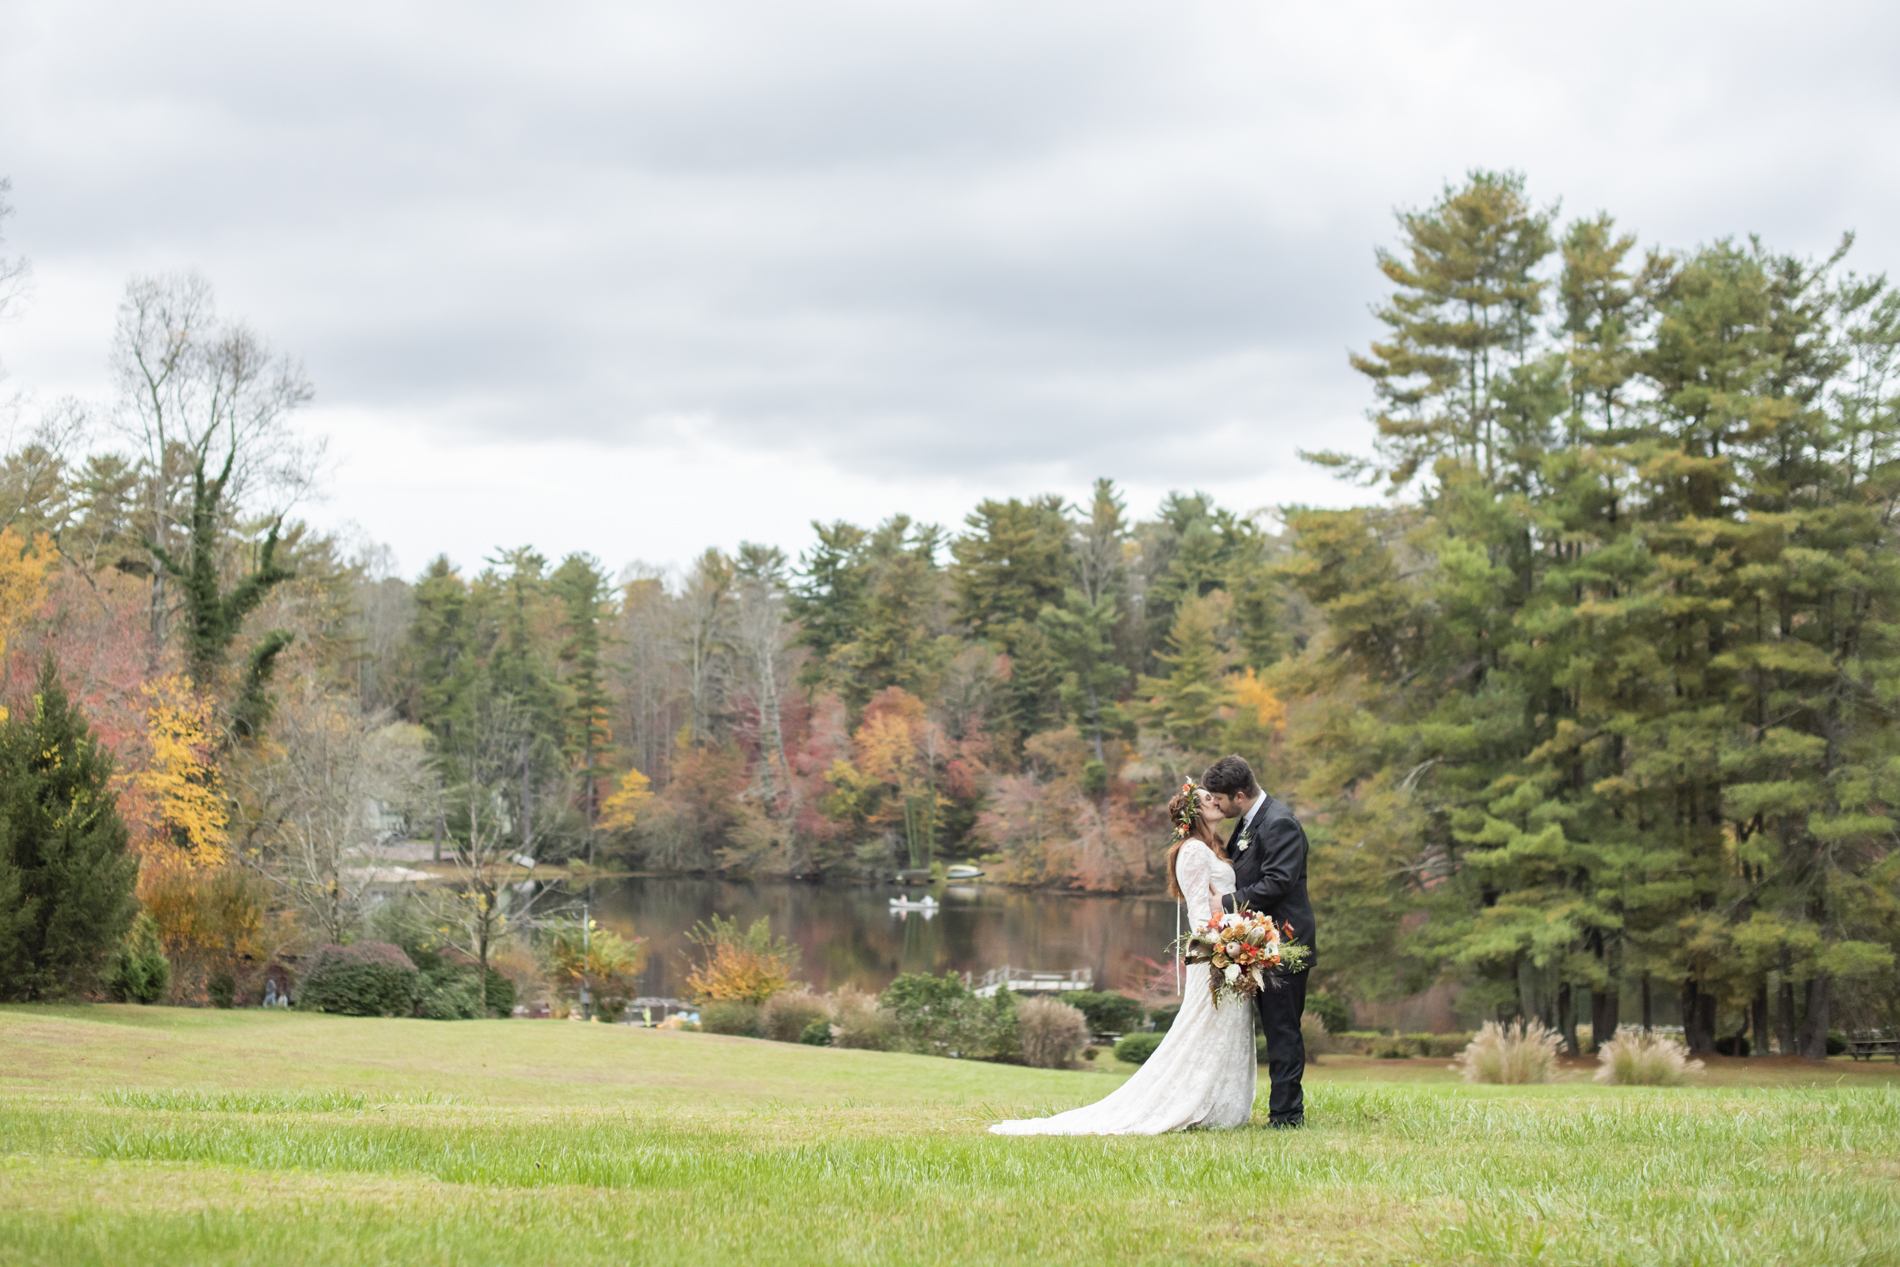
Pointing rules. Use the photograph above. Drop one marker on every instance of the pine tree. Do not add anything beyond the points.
(829, 597)
(1011, 563)
(1465, 312)
(443, 653)
(581, 590)
(1186, 704)
(64, 845)
(1081, 634)
(897, 642)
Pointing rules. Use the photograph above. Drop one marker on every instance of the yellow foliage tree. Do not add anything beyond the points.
(1255, 700)
(183, 781)
(619, 811)
(23, 568)
(748, 967)
(597, 959)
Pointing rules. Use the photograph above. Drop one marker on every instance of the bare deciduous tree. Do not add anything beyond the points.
(493, 807)
(313, 791)
(763, 641)
(196, 394)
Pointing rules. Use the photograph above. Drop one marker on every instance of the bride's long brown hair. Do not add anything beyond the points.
(1197, 828)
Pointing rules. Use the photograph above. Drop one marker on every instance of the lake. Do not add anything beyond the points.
(850, 935)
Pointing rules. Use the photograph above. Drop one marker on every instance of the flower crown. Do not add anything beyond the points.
(1189, 809)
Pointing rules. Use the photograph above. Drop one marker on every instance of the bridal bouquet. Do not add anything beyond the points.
(1242, 948)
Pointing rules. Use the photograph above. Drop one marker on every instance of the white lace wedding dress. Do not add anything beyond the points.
(1202, 1074)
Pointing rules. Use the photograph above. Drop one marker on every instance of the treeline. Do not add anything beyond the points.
(1604, 701)
(1588, 710)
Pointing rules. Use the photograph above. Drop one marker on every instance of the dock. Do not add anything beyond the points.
(1023, 981)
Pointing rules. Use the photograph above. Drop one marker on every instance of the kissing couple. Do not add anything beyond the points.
(1202, 1074)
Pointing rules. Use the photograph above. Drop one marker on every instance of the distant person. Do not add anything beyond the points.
(1269, 852)
(1203, 1072)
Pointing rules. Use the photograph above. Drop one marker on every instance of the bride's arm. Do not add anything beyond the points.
(1194, 872)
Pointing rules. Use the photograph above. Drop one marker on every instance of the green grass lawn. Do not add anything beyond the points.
(156, 1135)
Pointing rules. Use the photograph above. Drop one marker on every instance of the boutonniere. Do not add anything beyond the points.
(1240, 846)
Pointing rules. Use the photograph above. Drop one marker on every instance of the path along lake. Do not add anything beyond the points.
(850, 935)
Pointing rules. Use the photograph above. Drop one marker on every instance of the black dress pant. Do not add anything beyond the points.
(1281, 1004)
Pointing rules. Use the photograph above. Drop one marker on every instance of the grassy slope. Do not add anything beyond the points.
(161, 1135)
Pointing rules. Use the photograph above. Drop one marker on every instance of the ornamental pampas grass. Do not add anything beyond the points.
(1052, 1032)
(1521, 1052)
(1636, 1059)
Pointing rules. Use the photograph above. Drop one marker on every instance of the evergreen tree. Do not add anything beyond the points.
(1011, 563)
(1464, 312)
(897, 643)
(65, 849)
(582, 592)
(829, 597)
(444, 650)
(1186, 703)
(1081, 635)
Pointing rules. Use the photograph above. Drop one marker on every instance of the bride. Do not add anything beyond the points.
(1202, 1074)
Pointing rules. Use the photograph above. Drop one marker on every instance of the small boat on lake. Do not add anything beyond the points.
(963, 872)
(902, 906)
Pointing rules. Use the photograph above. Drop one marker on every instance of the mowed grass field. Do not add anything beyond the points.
(154, 1135)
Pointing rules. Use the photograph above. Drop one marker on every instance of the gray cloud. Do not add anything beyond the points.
(916, 242)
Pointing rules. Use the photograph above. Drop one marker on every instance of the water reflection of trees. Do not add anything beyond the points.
(849, 936)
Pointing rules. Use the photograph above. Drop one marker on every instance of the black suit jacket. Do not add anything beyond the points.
(1270, 877)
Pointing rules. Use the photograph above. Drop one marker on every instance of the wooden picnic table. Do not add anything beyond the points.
(1867, 1046)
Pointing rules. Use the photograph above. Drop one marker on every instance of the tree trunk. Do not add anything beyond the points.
(1698, 1019)
(1814, 1025)
(1784, 1011)
(1605, 1009)
(1567, 1018)
(527, 805)
(1646, 1008)
(1761, 1018)
(161, 601)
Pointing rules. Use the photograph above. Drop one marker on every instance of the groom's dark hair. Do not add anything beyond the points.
(1231, 776)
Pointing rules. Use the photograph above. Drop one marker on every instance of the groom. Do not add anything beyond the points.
(1269, 853)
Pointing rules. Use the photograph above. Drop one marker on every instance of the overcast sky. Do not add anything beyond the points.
(641, 278)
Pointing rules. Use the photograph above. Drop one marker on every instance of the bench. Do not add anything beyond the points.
(1867, 1046)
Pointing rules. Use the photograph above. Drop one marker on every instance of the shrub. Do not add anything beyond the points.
(370, 978)
(597, 962)
(1636, 1059)
(1162, 1017)
(139, 971)
(1051, 1032)
(749, 967)
(1734, 1045)
(1331, 1011)
(1134, 1049)
(499, 994)
(940, 1016)
(222, 990)
(1106, 1011)
(861, 1022)
(1442, 1045)
(730, 1016)
(1313, 1033)
(1836, 1042)
(1357, 1041)
(816, 1034)
(450, 994)
(1392, 1047)
(1521, 1052)
(786, 1017)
